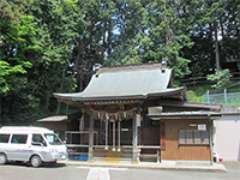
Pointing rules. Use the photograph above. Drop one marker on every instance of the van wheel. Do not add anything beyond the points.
(3, 159)
(35, 161)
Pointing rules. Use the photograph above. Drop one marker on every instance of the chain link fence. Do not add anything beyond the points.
(224, 97)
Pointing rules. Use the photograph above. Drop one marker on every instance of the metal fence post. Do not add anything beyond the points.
(225, 96)
(208, 98)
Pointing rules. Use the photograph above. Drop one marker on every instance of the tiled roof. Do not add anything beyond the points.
(128, 82)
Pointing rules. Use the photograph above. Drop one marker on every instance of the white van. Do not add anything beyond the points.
(30, 144)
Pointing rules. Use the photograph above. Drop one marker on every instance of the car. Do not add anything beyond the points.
(34, 145)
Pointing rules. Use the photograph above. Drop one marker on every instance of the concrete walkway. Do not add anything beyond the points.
(175, 165)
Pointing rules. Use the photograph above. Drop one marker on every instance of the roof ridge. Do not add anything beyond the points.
(130, 67)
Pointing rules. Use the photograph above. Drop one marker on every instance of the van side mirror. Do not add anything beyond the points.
(44, 144)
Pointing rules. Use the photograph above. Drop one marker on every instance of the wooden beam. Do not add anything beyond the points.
(178, 117)
(182, 104)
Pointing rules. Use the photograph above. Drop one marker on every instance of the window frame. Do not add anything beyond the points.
(44, 141)
(9, 137)
(54, 136)
(203, 141)
(26, 142)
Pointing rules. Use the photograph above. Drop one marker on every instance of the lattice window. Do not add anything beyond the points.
(193, 136)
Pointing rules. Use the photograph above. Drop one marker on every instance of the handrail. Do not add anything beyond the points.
(149, 147)
(123, 146)
(79, 132)
(77, 145)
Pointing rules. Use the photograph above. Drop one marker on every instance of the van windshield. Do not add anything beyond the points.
(52, 139)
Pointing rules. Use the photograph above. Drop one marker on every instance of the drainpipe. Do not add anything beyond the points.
(210, 139)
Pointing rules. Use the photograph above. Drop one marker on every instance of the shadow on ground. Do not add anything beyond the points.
(45, 165)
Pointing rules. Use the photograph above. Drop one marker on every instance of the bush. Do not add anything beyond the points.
(221, 78)
(193, 97)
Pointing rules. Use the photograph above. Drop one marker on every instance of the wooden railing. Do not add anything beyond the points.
(140, 147)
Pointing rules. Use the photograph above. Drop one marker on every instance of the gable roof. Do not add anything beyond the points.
(127, 82)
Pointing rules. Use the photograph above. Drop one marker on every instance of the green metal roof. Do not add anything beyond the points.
(124, 83)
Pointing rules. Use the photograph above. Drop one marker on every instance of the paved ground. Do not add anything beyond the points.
(61, 172)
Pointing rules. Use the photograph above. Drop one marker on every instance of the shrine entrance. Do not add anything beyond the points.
(114, 141)
(114, 135)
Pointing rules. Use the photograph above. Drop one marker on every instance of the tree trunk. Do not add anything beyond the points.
(109, 41)
(217, 53)
(61, 90)
(78, 64)
(222, 27)
(223, 56)
(47, 101)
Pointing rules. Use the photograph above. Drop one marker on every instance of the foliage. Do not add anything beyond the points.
(221, 78)
(195, 93)
(16, 40)
(193, 97)
(159, 34)
(51, 46)
(6, 71)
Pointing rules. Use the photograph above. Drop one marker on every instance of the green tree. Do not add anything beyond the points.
(51, 46)
(220, 79)
(60, 23)
(17, 42)
(159, 34)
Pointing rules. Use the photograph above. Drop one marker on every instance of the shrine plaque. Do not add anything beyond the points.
(202, 127)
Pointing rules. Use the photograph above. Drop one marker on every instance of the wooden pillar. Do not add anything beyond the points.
(106, 134)
(135, 150)
(119, 136)
(81, 122)
(81, 127)
(91, 138)
(114, 135)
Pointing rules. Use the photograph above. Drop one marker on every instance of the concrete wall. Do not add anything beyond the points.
(227, 137)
